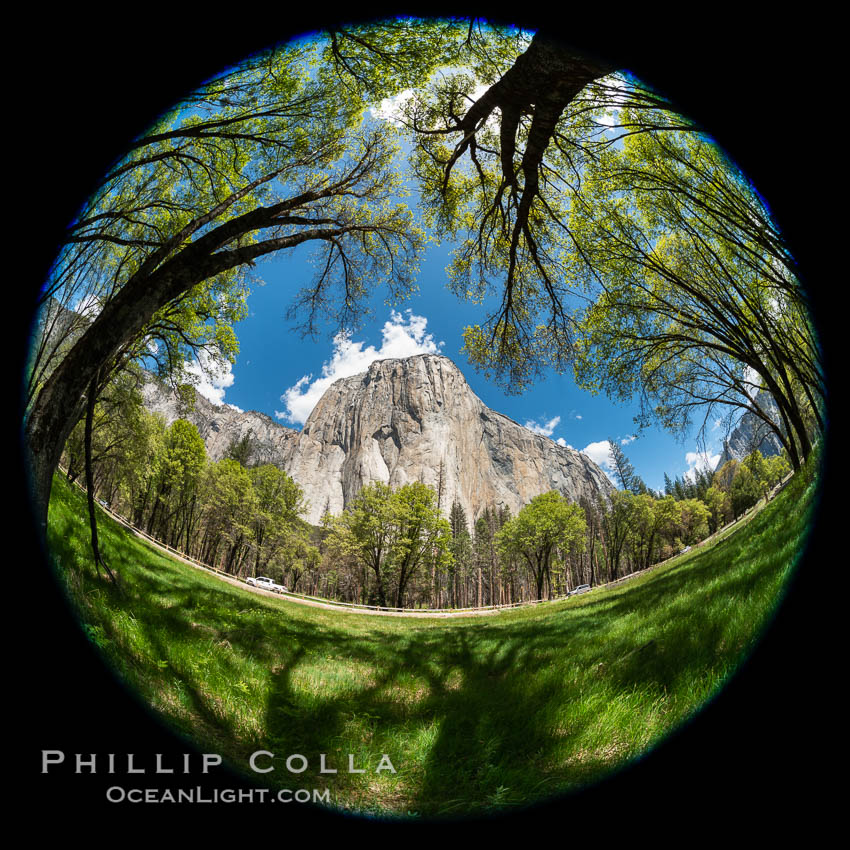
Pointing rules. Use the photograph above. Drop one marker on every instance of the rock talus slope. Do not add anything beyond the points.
(222, 425)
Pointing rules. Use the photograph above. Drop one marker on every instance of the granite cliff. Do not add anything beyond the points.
(402, 420)
(753, 433)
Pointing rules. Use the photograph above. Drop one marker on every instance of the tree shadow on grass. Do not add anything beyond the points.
(474, 717)
(470, 731)
(474, 714)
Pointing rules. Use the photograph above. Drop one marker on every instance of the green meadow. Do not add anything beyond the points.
(476, 714)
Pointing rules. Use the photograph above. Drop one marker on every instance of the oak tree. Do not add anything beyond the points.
(263, 159)
(548, 522)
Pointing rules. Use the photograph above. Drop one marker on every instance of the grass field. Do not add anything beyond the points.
(476, 714)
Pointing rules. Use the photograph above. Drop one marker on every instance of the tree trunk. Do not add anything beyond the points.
(98, 561)
(61, 401)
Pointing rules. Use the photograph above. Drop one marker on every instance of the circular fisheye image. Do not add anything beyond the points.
(425, 417)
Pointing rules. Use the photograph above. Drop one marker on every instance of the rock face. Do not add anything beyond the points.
(416, 419)
(221, 426)
(405, 420)
(752, 433)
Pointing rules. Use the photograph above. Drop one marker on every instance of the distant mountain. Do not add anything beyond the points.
(752, 433)
(402, 420)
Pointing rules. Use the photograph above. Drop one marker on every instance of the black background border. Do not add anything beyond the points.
(765, 89)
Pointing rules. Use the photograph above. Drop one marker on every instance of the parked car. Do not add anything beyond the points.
(265, 583)
(582, 588)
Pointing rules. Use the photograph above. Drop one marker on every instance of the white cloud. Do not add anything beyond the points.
(392, 108)
(701, 461)
(626, 440)
(401, 337)
(213, 379)
(546, 429)
(562, 442)
(600, 454)
(614, 100)
(89, 306)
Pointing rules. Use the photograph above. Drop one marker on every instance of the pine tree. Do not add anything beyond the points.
(461, 548)
(241, 450)
(624, 472)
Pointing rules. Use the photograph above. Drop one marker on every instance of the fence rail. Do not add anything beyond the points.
(356, 606)
(378, 609)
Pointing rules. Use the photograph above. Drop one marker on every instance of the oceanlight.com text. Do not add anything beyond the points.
(119, 794)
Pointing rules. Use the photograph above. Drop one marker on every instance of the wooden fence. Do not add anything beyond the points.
(378, 609)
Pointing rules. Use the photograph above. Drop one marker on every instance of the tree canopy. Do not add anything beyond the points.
(615, 237)
(695, 304)
(598, 228)
(547, 523)
(267, 157)
(394, 534)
